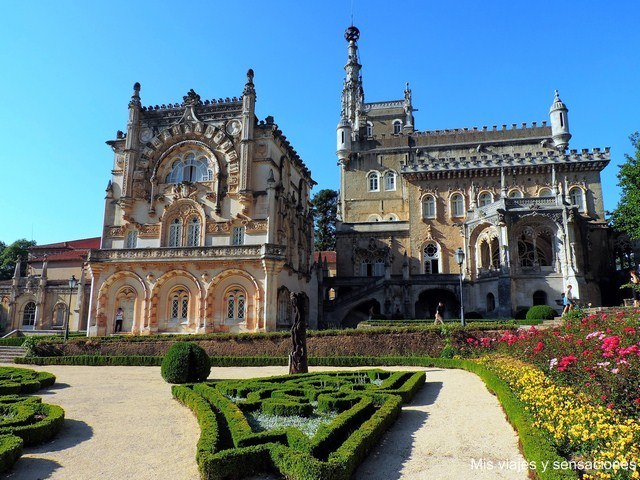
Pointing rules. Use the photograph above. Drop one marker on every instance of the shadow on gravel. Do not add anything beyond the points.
(58, 386)
(32, 468)
(395, 447)
(73, 432)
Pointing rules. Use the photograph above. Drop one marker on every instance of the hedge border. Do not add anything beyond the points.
(10, 451)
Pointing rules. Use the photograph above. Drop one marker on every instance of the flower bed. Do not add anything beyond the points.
(230, 448)
(602, 442)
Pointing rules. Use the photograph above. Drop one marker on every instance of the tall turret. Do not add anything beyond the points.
(559, 123)
(343, 140)
(352, 91)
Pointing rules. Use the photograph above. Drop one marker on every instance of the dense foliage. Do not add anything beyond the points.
(626, 217)
(541, 312)
(325, 205)
(9, 254)
(185, 362)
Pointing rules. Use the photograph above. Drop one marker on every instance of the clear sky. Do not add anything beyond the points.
(67, 70)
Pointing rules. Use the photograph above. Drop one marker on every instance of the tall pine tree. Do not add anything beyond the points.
(325, 204)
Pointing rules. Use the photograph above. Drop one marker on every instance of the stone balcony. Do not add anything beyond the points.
(169, 254)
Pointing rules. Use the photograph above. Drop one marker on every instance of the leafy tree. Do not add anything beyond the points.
(325, 205)
(9, 254)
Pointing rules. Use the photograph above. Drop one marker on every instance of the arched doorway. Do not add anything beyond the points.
(428, 300)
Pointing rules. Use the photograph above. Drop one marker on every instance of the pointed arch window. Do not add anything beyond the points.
(175, 233)
(284, 308)
(29, 315)
(457, 205)
(378, 268)
(236, 306)
(193, 232)
(366, 268)
(429, 206)
(431, 258)
(374, 181)
(179, 307)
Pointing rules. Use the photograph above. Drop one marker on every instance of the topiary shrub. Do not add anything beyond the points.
(541, 312)
(185, 362)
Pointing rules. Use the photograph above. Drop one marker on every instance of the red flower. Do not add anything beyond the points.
(538, 347)
(609, 406)
(566, 362)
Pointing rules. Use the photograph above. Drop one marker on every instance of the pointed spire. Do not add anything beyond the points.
(352, 104)
(249, 87)
(135, 98)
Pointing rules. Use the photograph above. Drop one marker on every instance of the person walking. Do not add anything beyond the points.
(567, 301)
(439, 314)
(119, 318)
(635, 281)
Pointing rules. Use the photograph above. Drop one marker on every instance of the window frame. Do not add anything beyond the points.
(373, 177)
(457, 207)
(482, 198)
(397, 127)
(578, 192)
(238, 236)
(131, 239)
(390, 178)
(425, 213)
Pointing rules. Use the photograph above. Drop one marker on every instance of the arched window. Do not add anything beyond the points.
(545, 192)
(378, 268)
(29, 315)
(485, 255)
(366, 269)
(515, 193)
(495, 253)
(369, 129)
(457, 205)
(429, 206)
(59, 315)
(175, 233)
(535, 250)
(189, 168)
(484, 199)
(390, 181)
(431, 258)
(284, 315)
(576, 195)
(491, 302)
(193, 232)
(540, 297)
(397, 127)
(132, 239)
(236, 306)
(374, 181)
(179, 306)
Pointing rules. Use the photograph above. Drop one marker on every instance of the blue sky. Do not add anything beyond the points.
(68, 68)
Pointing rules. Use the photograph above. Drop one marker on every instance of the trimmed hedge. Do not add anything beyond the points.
(287, 450)
(21, 380)
(541, 312)
(185, 362)
(10, 451)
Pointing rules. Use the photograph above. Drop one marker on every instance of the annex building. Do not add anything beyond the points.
(526, 211)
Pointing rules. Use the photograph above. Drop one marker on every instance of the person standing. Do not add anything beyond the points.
(635, 281)
(119, 319)
(567, 301)
(439, 314)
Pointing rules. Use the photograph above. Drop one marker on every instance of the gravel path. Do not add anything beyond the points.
(122, 423)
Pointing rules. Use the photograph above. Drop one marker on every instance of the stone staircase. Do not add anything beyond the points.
(8, 354)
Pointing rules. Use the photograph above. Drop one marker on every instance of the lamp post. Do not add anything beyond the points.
(73, 282)
(460, 260)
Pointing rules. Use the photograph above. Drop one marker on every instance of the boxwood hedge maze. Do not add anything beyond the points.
(24, 420)
(307, 426)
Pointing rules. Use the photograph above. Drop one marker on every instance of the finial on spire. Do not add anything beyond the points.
(191, 98)
(249, 87)
(352, 34)
(135, 98)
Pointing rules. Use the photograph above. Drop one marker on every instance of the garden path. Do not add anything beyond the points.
(122, 423)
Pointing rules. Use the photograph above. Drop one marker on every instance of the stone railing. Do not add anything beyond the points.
(189, 253)
(531, 202)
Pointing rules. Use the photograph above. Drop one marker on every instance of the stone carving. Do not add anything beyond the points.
(298, 357)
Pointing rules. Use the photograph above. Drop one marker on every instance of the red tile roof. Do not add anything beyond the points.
(329, 255)
(64, 251)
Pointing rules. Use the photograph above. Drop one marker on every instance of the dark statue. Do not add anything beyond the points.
(298, 357)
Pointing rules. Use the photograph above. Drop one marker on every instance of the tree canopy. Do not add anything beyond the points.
(325, 204)
(626, 217)
(9, 254)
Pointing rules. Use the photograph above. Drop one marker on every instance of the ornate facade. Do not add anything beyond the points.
(527, 212)
(207, 223)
